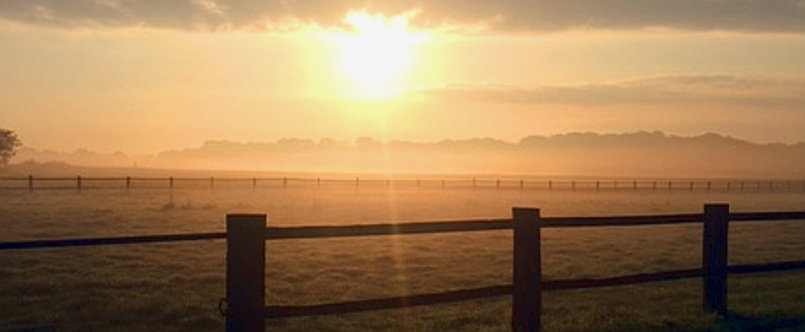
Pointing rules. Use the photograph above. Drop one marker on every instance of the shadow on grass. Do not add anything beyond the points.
(738, 322)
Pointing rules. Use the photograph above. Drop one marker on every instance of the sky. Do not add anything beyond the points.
(150, 76)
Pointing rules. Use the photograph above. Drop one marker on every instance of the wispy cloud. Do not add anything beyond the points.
(666, 90)
(505, 15)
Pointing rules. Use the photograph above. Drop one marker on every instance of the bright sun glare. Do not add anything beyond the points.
(376, 53)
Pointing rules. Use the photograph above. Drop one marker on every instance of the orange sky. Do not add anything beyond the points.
(164, 76)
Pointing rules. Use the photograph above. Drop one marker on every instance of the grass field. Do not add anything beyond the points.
(177, 286)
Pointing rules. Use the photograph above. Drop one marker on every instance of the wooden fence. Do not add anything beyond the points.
(245, 309)
(80, 183)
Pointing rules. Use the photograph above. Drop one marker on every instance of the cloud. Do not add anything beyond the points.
(665, 90)
(504, 15)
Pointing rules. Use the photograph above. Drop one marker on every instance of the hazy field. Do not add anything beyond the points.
(177, 286)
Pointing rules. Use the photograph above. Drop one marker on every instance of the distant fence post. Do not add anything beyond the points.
(254, 184)
(497, 184)
(709, 184)
(654, 186)
(284, 182)
(30, 183)
(521, 184)
(78, 183)
(170, 183)
(550, 185)
(245, 272)
(212, 182)
(597, 185)
(128, 183)
(527, 287)
(714, 257)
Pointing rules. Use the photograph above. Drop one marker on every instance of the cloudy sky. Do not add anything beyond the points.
(146, 76)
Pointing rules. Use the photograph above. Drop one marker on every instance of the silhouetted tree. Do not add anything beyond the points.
(8, 145)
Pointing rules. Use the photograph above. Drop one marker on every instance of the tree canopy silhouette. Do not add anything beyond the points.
(8, 145)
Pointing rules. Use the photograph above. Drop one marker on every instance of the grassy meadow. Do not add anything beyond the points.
(176, 286)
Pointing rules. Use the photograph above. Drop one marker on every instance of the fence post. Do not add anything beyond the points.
(78, 183)
(634, 185)
(521, 184)
(284, 182)
(254, 184)
(212, 182)
(597, 185)
(30, 183)
(245, 272)
(497, 184)
(550, 185)
(714, 257)
(170, 183)
(128, 183)
(527, 288)
(654, 186)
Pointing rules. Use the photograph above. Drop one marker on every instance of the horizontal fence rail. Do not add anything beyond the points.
(110, 240)
(425, 227)
(279, 311)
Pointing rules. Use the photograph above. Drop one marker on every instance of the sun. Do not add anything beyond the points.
(376, 53)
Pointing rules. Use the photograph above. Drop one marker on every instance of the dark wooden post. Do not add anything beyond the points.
(634, 185)
(597, 185)
(284, 182)
(254, 184)
(245, 272)
(357, 182)
(670, 185)
(170, 183)
(708, 186)
(212, 182)
(550, 185)
(615, 184)
(497, 184)
(691, 185)
(78, 183)
(318, 182)
(128, 183)
(573, 185)
(30, 183)
(654, 186)
(521, 184)
(714, 257)
(527, 288)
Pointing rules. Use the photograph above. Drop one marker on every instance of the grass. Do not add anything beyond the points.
(177, 286)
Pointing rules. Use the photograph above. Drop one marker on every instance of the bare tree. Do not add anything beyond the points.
(8, 145)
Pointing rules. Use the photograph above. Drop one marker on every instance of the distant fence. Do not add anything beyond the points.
(245, 309)
(80, 183)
